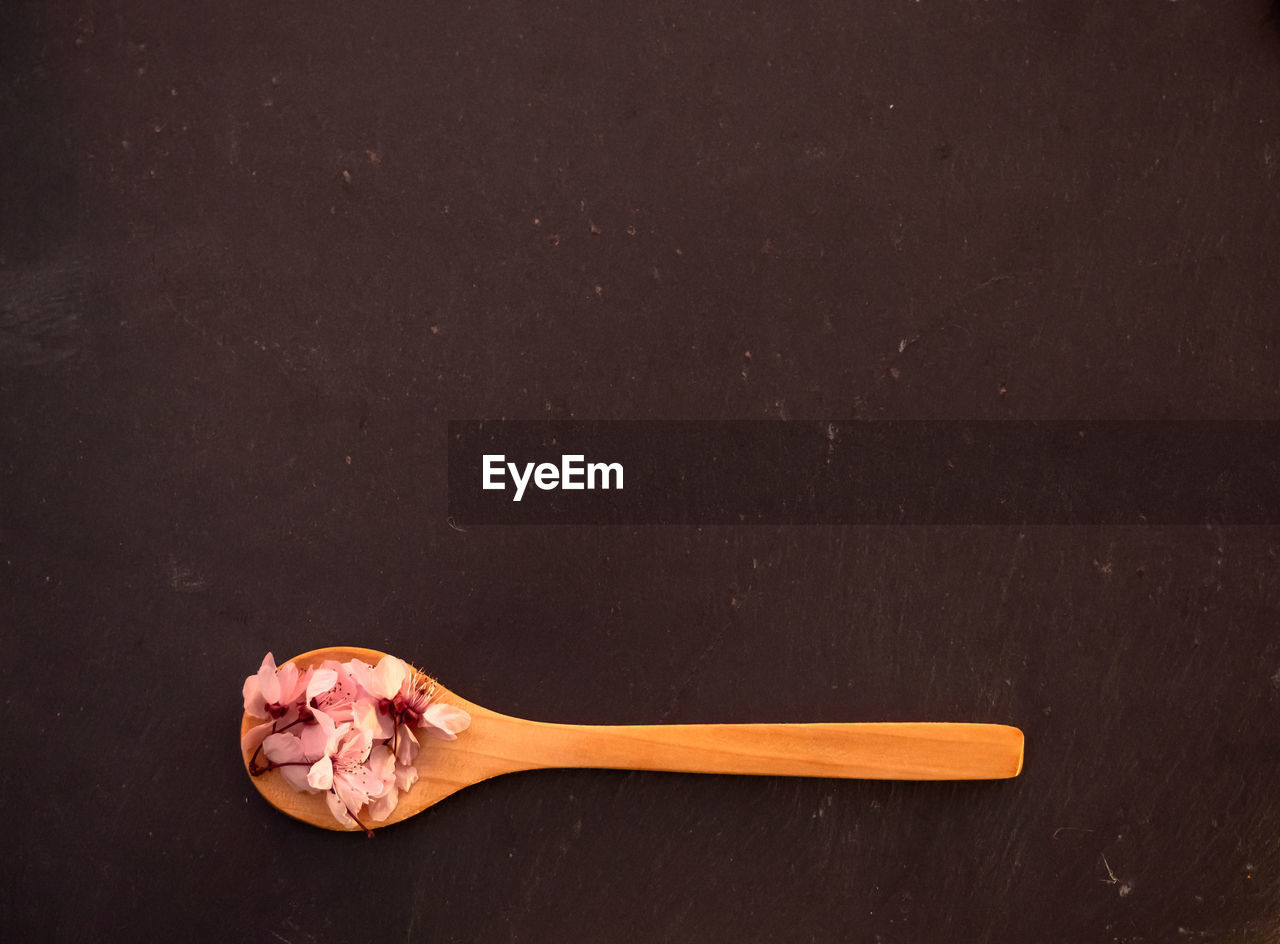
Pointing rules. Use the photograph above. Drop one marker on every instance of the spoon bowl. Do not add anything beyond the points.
(497, 744)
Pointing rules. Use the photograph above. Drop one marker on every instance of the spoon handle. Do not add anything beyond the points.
(871, 750)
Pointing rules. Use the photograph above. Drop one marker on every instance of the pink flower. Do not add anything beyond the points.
(403, 702)
(337, 700)
(337, 760)
(345, 730)
(285, 751)
(381, 685)
(345, 772)
(272, 692)
(383, 764)
(279, 695)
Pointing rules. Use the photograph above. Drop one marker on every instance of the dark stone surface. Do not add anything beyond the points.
(253, 257)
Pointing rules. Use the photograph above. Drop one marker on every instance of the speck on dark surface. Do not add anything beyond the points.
(229, 348)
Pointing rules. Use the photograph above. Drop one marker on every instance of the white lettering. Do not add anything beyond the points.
(520, 482)
(604, 469)
(547, 475)
(492, 468)
(570, 466)
(570, 474)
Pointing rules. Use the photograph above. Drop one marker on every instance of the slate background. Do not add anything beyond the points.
(254, 256)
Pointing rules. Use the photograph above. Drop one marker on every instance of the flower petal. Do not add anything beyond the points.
(446, 720)
(383, 764)
(321, 681)
(383, 806)
(296, 777)
(268, 683)
(320, 775)
(254, 704)
(328, 733)
(338, 810)
(367, 678)
(366, 717)
(350, 794)
(290, 687)
(406, 776)
(390, 675)
(360, 781)
(283, 748)
(338, 701)
(255, 736)
(354, 748)
(314, 737)
(406, 745)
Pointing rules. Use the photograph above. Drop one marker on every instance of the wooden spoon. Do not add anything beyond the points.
(498, 744)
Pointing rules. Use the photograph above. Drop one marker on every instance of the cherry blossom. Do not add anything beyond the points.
(279, 695)
(345, 729)
(403, 696)
(337, 700)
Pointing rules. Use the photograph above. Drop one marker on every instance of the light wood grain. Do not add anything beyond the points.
(498, 744)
